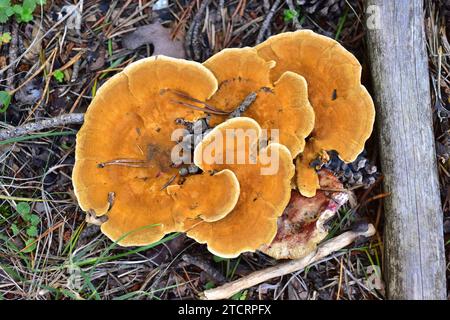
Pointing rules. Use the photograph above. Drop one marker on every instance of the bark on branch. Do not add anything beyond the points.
(63, 120)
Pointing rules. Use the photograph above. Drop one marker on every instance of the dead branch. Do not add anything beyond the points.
(227, 290)
(267, 20)
(63, 120)
(12, 55)
(243, 106)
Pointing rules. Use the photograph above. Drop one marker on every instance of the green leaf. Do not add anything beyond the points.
(34, 220)
(5, 10)
(29, 5)
(289, 15)
(240, 295)
(31, 246)
(24, 13)
(15, 229)
(6, 37)
(17, 9)
(209, 285)
(41, 2)
(3, 17)
(58, 75)
(32, 231)
(26, 16)
(5, 4)
(5, 100)
(24, 210)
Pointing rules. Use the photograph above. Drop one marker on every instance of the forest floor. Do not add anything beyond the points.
(54, 65)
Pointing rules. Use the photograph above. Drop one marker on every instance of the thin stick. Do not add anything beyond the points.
(243, 106)
(267, 20)
(227, 290)
(291, 7)
(185, 104)
(193, 48)
(12, 55)
(200, 263)
(63, 120)
(135, 163)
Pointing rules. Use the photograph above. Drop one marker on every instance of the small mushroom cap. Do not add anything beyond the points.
(282, 104)
(123, 153)
(264, 192)
(344, 109)
(222, 192)
(302, 226)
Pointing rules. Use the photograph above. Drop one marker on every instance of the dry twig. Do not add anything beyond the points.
(266, 24)
(227, 290)
(63, 120)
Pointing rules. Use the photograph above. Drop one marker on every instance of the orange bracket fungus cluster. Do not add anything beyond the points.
(248, 179)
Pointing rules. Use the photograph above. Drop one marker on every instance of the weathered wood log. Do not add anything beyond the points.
(413, 236)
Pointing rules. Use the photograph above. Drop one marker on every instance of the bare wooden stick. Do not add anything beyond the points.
(249, 99)
(413, 237)
(205, 266)
(63, 120)
(227, 290)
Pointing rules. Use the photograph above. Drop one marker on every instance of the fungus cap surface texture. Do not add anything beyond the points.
(123, 166)
(280, 103)
(263, 197)
(343, 107)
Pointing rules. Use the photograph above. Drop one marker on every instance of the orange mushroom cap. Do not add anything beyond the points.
(280, 104)
(123, 154)
(264, 193)
(344, 109)
(302, 226)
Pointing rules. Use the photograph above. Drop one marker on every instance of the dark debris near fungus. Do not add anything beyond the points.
(360, 172)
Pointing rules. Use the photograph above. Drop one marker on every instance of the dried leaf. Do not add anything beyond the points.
(157, 35)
